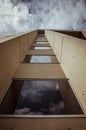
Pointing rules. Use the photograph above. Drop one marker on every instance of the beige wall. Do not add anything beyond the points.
(12, 52)
(71, 53)
(25, 42)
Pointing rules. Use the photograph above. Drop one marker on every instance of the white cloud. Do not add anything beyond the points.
(14, 19)
(18, 16)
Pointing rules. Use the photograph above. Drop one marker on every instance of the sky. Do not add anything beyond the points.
(25, 15)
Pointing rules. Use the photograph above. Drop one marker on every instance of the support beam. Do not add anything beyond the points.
(39, 71)
(40, 52)
(41, 45)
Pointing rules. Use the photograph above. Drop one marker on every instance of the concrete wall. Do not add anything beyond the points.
(12, 52)
(71, 53)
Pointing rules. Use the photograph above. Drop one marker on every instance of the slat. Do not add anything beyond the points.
(40, 52)
(39, 71)
(51, 123)
(41, 35)
(40, 45)
(41, 40)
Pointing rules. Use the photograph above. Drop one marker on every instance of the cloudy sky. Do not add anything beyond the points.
(25, 15)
